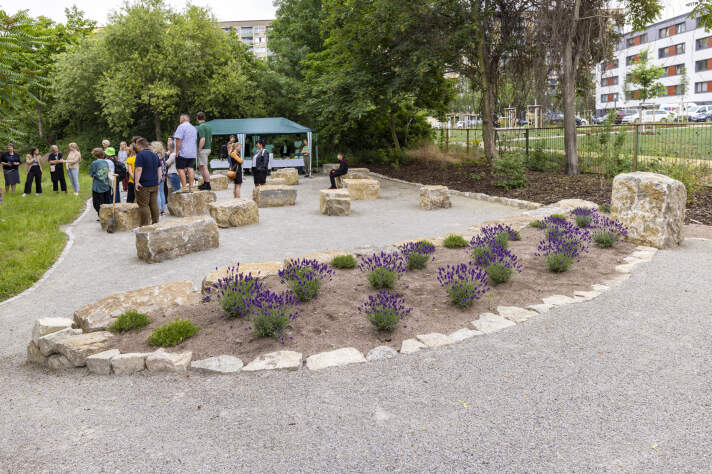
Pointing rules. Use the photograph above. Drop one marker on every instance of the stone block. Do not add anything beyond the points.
(337, 358)
(175, 238)
(80, 346)
(59, 362)
(569, 204)
(275, 181)
(222, 364)
(218, 181)
(256, 269)
(338, 206)
(98, 316)
(48, 344)
(434, 339)
(35, 355)
(558, 300)
(287, 360)
(380, 353)
(100, 363)
(125, 215)
(326, 194)
(362, 189)
(515, 313)
(652, 206)
(234, 213)
(463, 334)
(191, 204)
(44, 326)
(269, 195)
(127, 364)
(162, 361)
(358, 173)
(434, 197)
(290, 175)
(408, 346)
(490, 322)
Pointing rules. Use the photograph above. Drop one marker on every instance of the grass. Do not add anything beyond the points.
(30, 234)
(173, 333)
(344, 261)
(129, 320)
(454, 241)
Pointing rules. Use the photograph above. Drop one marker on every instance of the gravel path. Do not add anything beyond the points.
(620, 383)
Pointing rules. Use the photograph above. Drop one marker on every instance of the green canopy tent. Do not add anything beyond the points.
(256, 127)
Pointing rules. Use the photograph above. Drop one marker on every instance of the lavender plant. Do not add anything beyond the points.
(464, 282)
(563, 243)
(417, 253)
(488, 252)
(385, 310)
(537, 224)
(305, 277)
(273, 313)
(383, 269)
(607, 231)
(236, 292)
(583, 216)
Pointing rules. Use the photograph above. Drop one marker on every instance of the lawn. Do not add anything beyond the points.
(30, 234)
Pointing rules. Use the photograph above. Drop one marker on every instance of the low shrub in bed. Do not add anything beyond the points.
(173, 333)
(417, 253)
(274, 312)
(305, 277)
(385, 310)
(235, 292)
(564, 242)
(465, 283)
(383, 269)
(129, 320)
(454, 241)
(344, 261)
(537, 224)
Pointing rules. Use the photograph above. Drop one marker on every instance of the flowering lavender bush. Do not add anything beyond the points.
(383, 269)
(489, 251)
(237, 293)
(464, 282)
(563, 243)
(605, 207)
(417, 253)
(305, 277)
(537, 224)
(583, 216)
(607, 230)
(385, 310)
(273, 313)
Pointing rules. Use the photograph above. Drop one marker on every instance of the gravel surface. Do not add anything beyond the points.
(620, 383)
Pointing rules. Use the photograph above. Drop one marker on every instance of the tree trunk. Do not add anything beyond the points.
(568, 85)
(488, 132)
(40, 124)
(157, 126)
(392, 121)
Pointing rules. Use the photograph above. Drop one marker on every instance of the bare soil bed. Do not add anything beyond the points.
(332, 320)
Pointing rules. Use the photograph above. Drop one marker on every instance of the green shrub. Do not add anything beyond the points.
(237, 299)
(509, 171)
(417, 261)
(454, 241)
(271, 321)
(344, 261)
(173, 333)
(306, 284)
(583, 221)
(382, 277)
(605, 239)
(537, 224)
(690, 175)
(480, 253)
(498, 273)
(558, 263)
(537, 159)
(462, 294)
(605, 207)
(559, 216)
(129, 320)
(502, 239)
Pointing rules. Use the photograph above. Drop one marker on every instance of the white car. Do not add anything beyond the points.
(460, 124)
(630, 118)
(659, 116)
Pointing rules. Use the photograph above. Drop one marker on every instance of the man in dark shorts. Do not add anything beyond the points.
(186, 142)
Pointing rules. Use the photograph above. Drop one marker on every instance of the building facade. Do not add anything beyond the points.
(680, 46)
(253, 33)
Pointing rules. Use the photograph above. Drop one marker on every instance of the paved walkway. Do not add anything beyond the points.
(620, 383)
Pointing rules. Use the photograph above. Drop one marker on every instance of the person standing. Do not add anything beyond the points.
(306, 156)
(173, 177)
(101, 184)
(130, 161)
(186, 142)
(122, 154)
(56, 170)
(147, 178)
(157, 148)
(105, 144)
(205, 136)
(34, 172)
(72, 163)
(10, 167)
(117, 170)
(225, 148)
(236, 166)
(260, 163)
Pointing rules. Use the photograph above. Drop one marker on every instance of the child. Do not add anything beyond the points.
(101, 185)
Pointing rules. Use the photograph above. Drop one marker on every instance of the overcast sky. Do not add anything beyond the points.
(223, 9)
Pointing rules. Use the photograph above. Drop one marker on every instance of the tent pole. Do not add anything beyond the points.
(316, 138)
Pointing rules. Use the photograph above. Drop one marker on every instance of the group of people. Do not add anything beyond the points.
(10, 162)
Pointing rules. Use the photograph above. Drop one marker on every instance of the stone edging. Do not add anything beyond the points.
(70, 241)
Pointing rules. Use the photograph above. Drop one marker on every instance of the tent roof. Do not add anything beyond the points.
(256, 126)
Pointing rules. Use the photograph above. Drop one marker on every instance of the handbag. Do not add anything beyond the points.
(231, 174)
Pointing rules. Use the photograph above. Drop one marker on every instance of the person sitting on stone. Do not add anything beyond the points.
(340, 171)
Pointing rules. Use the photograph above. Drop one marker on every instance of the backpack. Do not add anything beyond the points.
(120, 170)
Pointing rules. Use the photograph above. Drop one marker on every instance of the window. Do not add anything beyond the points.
(703, 43)
(672, 30)
(669, 51)
(632, 95)
(673, 70)
(246, 31)
(674, 90)
(703, 65)
(259, 29)
(632, 59)
(610, 65)
(636, 40)
(702, 87)
(609, 81)
(609, 97)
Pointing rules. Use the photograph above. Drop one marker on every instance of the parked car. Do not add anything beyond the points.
(598, 120)
(701, 113)
(581, 122)
(659, 116)
(521, 122)
(554, 118)
(460, 124)
(630, 117)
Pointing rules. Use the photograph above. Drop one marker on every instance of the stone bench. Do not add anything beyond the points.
(335, 202)
(434, 197)
(218, 182)
(126, 215)
(274, 196)
(175, 238)
(191, 204)
(290, 175)
(353, 173)
(362, 189)
(234, 213)
(275, 181)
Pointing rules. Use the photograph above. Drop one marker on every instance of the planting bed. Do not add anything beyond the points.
(332, 320)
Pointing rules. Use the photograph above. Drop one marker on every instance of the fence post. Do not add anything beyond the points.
(635, 148)
(468, 141)
(526, 136)
(447, 140)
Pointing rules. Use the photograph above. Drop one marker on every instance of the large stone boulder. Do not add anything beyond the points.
(352, 173)
(275, 181)
(290, 175)
(44, 326)
(362, 189)
(327, 205)
(218, 181)
(235, 212)
(78, 347)
(191, 204)
(98, 316)
(255, 269)
(175, 238)
(274, 196)
(125, 215)
(434, 197)
(652, 206)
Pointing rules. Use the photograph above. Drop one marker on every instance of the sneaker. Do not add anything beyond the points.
(24, 194)
(204, 187)
(37, 194)
(76, 194)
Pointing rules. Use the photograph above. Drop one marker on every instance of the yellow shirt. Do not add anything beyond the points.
(130, 162)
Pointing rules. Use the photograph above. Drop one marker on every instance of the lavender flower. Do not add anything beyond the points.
(607, 231)
(385, 310)
(464, 282)
(273, 313)
(305, 277)
(383, 269)
(236, 292)
(563, 243)
(417, 253)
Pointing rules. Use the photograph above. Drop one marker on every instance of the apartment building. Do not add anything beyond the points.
(679, 45)
(252, 33)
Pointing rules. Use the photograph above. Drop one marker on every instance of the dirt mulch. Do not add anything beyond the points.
(545, 188)
(332, 320)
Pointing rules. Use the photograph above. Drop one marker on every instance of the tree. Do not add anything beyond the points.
(645, 81)
(581, 32)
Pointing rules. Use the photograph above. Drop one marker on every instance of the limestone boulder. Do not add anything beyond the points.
(274, 196)
(652, 206)
(98, 316)
(256, 269)
(434, 197)
(352, 173)
(191, 204)
(280, 360)
(80, 346)
(175, 238)
(44, 326)
(218, 181)
(325, 194)
(48, 344)
(35, 355)
(276, 181)
(336, 358)
(100, 363)
(162, 361)
(59, 362)
(234, 213)
(338, 206)
(127, 364)
(290, 175)
(322, 257)
(125, 214)
(362, 189)
(223, 364)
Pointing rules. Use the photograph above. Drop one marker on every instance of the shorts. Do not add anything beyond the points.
(204, 154)
(183, 163)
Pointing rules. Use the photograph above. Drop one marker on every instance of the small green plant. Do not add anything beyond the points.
(558, 262)
(537, 224)
(271, 322)
(537, 159)
(454, 241)
(480, 253)
(173, 333)
(238, 297)
(475, 177)
(417, 261)
(558, 216)
(129, 320)
(305, 277)
(385, 310)
(605, 239)
(583, 221)
(502, 239)
(498, 273)
(381, 277)
(344, 261)
(463, 293)
(605, 207)
(509, 171)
